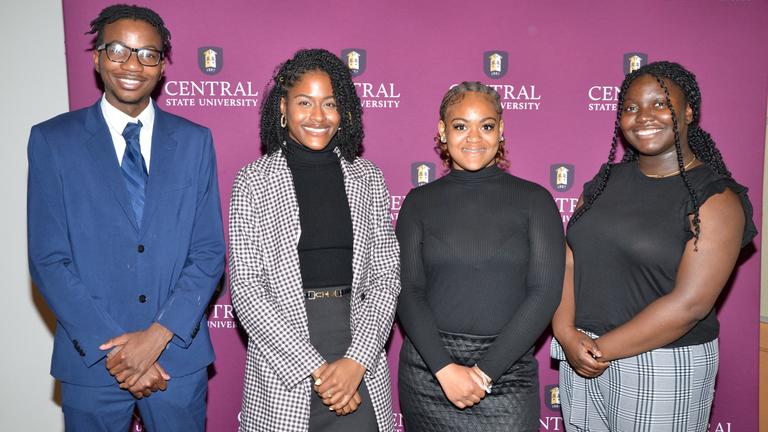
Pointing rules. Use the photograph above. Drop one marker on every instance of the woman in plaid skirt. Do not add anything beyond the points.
(651, 247)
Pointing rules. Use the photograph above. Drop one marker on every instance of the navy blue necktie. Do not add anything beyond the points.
(134, 169)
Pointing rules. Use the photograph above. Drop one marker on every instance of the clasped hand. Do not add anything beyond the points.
(463, 386)
(583, 354)
(336, 383)
(155, 379)
(133, 359)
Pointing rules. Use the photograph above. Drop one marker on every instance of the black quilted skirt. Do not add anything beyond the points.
(513, 404)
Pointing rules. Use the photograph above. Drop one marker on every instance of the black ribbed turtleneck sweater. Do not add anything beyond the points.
(325, 245)
(482, 253)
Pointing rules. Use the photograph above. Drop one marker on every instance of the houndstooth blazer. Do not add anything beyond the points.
(267, 293)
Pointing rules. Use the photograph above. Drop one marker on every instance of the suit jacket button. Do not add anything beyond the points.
(140, 248)
(142, 298)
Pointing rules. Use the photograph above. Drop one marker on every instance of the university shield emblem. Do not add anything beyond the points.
(552, 397)
(634, 61)
(422, 173)
(356, 60)
(495, 63)
(210, 60)
(561, 177)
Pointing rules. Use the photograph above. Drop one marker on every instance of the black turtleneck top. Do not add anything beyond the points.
(325, 245)
(482, 253)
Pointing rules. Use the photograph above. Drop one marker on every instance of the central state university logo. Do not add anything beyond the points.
(634, 61)
(356, 59)
(552, 397)
(210, 60)
(422, 173)
(495, 63)
(561, 176)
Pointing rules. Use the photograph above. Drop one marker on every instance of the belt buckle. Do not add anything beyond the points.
(322, 294)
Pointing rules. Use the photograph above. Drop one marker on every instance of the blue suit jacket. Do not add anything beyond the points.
(102, 274)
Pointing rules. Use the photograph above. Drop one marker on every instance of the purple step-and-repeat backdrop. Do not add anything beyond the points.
(556, 65)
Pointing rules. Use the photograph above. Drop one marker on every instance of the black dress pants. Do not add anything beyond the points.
(330, 334)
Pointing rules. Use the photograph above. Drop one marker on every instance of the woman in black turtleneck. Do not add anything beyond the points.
(313, 260)
(482, 258)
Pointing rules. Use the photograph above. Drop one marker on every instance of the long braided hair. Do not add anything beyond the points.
(700, 142)
(349, 138)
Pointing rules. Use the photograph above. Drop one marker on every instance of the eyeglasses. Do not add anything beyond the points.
(120, 53)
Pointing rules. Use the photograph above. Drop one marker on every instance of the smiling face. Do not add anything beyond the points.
(310, 111)
(646, 119)
(472, 129)
(128, 86)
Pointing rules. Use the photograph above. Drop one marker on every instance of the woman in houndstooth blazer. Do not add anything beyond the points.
(314, 267)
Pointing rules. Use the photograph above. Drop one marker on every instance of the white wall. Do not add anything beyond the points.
(33, 87)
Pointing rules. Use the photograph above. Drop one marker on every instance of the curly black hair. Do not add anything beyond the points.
(110, 14)
(349, 137)
(454, 96)
(701, 143)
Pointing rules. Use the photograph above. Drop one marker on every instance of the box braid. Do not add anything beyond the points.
(701, 143)
(349, 138)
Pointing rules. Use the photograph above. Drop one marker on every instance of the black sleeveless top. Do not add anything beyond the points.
(628, 246)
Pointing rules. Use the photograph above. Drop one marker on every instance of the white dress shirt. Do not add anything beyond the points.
(117, 120)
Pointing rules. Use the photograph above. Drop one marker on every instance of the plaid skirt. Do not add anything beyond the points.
(666, 389)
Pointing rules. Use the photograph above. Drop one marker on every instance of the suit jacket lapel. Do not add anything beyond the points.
(355, 188)
(287, 205)
(102, 151)
(161, 168)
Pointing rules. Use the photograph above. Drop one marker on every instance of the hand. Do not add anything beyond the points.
(317, 372)
(155, 379)
(338, 382)
(462, 385)
(583, 354)
(350, 407)
(353, 404)
(138, 352)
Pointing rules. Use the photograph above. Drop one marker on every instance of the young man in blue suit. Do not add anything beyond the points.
(126, 240)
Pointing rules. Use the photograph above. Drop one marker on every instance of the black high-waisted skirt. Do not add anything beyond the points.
(513, 404)
(330, 334)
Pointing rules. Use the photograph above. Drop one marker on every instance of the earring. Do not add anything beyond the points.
(283, 121)
(501, 139)
(442, 139)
